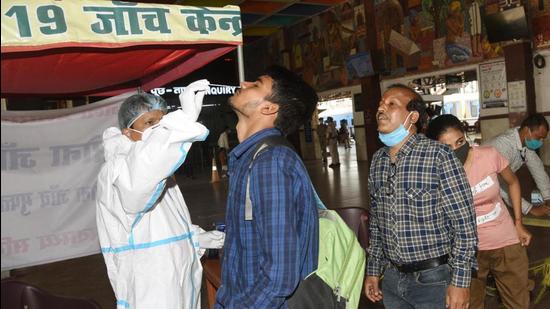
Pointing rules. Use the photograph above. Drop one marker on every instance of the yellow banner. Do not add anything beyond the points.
(43, 24)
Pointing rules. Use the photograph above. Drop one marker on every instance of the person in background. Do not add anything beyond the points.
(502, 240)
(223, 149)
(422, 222)
(275, 245)
(332, 136)
(322, 135)
(343, 134)
(151, 249)
(518, 146)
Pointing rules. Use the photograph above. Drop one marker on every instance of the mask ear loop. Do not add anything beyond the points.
(415, 100)
(137, 131)
(134, 120)
(410, 125)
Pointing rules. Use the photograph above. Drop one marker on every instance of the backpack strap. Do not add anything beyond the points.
(269, 141)
(248, 202)
(274, 140)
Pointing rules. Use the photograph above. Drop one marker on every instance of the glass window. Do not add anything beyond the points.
(474, 108)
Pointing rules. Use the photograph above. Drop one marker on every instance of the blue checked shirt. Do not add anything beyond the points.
(265, 258)
(421, 208)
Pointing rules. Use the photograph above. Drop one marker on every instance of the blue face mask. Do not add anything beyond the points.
(533, 144)
(396, 136)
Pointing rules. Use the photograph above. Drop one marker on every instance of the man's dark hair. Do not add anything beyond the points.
(534, 121)
(296, 99)
(415, 104)
(441, 124)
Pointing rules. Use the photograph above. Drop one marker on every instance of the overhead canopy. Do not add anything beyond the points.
(52, 47)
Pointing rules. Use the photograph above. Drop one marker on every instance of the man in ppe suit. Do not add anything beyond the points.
(150, 247)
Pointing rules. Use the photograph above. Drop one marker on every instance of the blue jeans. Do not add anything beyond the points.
(425, 289)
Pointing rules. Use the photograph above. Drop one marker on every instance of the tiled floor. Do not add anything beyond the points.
(343, 187)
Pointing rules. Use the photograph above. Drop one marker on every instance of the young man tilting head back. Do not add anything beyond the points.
(268, 252)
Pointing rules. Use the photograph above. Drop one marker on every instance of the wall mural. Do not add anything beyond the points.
(330, 49)
(426, 35)
(446, 32)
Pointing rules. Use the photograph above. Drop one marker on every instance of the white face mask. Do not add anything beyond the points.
(130, 136)
(144, 131)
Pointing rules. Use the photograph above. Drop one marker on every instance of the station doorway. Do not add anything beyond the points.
(341, 105)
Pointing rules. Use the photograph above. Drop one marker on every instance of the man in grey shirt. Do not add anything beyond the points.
(518, 146)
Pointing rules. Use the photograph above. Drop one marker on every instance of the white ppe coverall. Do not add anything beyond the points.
(150, 247)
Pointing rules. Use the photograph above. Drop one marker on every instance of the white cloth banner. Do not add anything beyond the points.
(50, 162)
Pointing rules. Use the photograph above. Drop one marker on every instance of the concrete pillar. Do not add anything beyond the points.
(371, 97)
(370, 86)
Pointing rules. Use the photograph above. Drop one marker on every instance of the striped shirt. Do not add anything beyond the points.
(421, 208)
(509, 145)
(265, 258)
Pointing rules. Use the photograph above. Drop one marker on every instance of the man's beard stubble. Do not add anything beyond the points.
(247, 106)
(235, 108)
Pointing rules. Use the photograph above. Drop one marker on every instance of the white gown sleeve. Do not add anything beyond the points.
(142, 175)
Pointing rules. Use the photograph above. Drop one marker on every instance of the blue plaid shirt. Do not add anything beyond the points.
(421, 208)
(265, 258)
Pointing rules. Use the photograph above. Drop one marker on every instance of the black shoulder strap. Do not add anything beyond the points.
(273, 140)
(270, 141)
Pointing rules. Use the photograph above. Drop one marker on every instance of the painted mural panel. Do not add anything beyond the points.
(445, 32)
(330, 49)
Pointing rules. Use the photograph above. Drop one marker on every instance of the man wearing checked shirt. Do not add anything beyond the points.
(422, 221)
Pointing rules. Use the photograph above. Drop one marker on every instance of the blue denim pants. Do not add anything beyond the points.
(425, 289)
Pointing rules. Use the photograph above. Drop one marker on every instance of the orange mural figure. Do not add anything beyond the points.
(392, 16)
(414, 29)
(456, 52)
(490, 50)
(308, 72)
(297, 51)
(337, 44)
(317, 50)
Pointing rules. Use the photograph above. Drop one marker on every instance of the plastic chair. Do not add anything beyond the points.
(17, 294)
(357, 220)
